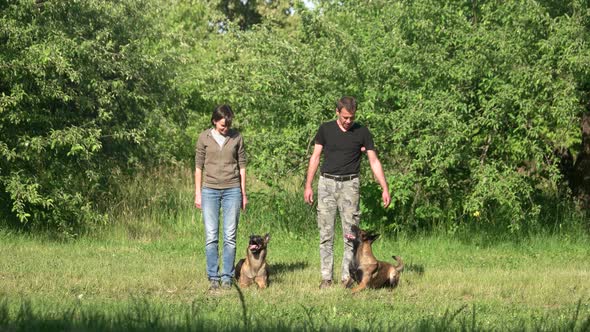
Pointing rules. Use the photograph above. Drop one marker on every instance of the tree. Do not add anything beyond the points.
(81, 98)
(468, 101)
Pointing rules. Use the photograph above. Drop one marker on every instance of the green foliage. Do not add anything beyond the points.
(247, 14)
(82, 101)
(468, 101)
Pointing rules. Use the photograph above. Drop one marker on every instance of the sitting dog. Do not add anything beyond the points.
(365, 269)
(252, 269)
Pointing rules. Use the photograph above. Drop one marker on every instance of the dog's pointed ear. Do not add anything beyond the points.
(266, 238)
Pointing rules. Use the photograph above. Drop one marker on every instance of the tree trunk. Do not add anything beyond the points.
(579, 179)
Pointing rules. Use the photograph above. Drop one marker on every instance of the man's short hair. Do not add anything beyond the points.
(346, 102)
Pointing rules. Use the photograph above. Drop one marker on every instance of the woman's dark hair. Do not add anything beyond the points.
(222, 112)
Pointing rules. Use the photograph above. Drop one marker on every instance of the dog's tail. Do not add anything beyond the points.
(238, 269)
(400, 263)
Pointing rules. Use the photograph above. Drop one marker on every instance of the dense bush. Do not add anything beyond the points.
(83, 99)
(474, 106)
(468, 101)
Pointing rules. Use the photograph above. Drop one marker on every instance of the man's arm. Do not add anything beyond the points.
(380, 176)
(314, 162)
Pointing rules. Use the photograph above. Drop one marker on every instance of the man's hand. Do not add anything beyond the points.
(308, 196)
(386, 198)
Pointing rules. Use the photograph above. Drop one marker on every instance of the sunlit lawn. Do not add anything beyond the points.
(540, 282)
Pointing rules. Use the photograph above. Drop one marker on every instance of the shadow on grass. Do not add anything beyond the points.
(279, 268)
(416, 268)
(147, 316)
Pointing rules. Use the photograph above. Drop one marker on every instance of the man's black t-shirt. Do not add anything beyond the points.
(342, 149)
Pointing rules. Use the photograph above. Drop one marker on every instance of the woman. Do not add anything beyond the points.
(220, 182)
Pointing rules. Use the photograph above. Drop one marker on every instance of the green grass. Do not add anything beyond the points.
(147, 272)
(159, 280)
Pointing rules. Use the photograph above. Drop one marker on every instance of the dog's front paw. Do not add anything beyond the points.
(347, 283)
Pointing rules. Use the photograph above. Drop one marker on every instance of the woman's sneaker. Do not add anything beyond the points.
(226, 284)
(213, 285)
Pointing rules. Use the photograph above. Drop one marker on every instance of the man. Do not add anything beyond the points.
(342, 141)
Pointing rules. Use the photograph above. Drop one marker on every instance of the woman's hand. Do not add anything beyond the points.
(244, 201)
(198, 200)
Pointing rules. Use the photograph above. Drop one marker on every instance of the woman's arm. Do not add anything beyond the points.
(198, 175)
(243, 187)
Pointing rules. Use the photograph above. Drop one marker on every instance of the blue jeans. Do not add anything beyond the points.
(230, 202)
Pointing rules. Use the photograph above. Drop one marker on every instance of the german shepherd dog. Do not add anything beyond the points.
(252, 269)
(365, 269)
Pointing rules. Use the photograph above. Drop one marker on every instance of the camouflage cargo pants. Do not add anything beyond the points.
(336, 196)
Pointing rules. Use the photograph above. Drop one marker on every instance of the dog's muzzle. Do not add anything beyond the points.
(350, 236)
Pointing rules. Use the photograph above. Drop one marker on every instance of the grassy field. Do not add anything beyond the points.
(156, 280)
(148, 273)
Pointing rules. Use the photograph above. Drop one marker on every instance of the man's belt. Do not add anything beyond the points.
(340, 178)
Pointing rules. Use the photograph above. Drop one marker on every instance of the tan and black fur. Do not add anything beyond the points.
(253, 269)
(365, 269)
